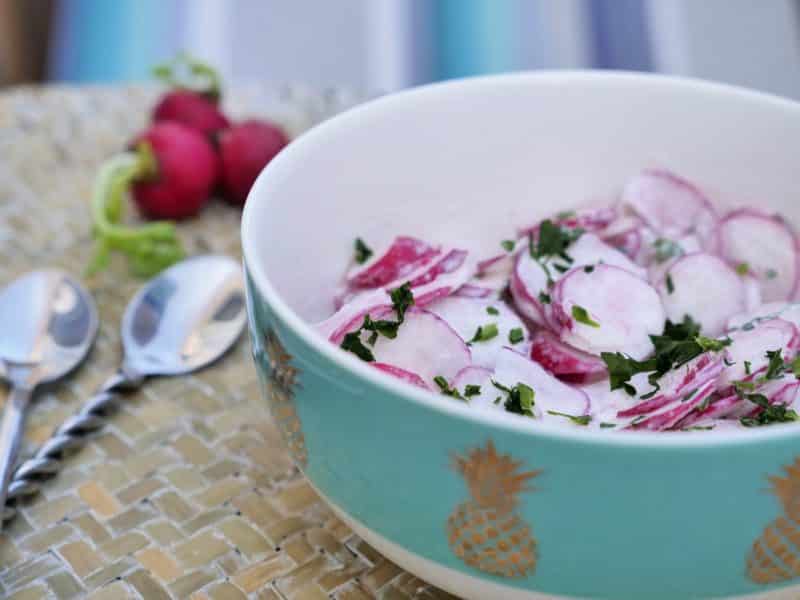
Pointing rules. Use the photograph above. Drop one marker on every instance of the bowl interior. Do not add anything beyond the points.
(469, 161)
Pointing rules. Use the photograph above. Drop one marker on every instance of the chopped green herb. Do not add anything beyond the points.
(747, 367)
(484, 333)
(604, 425)
(352, 343)
(688, 396)
(712, 345)
(402, 300)
(445, 388)
(698, 428)
(553, 241)
(588, 268)
(666, 249)
(384, 327)
(519, 399)
(727, 362)
(565, 214)
(578, 420)
(544, 298)
(581, 315)
(770, 413)
(771, 273)
(742, 268)
(508, 245)
(363, 252)
(471, 390)
(515, 336)
(670, 284)
(561, 268)
(492, 310)
(775, 367)
(497, 400)
(795, 366)
(373, 337)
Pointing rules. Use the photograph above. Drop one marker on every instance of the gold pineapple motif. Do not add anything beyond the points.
(485, 531)
(283, 381)
(775, 555)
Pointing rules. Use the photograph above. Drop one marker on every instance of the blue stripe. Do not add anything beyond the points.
(620, 38)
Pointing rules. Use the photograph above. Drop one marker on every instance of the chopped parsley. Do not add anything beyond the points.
(670, 284)
(492, 310)
(484, 333)
(508, 245)
(445, 388)
(515, 336)
(588, 268)
(581, 315)
(566, 214)
(519, 399)
(552, 242)
(544, 298)
(770, 413)
(402, 298)
(666, 249)
(698, 428)
(471, 390)
(605, 425)
(795, 366)
(578, 420)
(680, 343)
(747, 367)
(771, 273)
(363, 252)
(742, 268)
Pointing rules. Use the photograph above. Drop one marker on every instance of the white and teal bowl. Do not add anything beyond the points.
(607, 515)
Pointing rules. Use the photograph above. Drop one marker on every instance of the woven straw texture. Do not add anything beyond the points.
(189, 493)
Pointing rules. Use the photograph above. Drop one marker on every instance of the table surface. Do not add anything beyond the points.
(189, 492)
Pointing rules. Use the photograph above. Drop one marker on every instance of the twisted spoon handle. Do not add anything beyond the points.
(71, 435)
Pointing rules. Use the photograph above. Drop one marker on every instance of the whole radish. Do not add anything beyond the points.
(192, 109)
(185, 171)
(245, 149)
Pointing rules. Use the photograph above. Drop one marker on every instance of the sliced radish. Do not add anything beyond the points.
(671, 414)
(588, 219)
(351, 315)
(752, 293)
(751, 346)
(465, 315)
(470, 375)
(481, 377)
(705, 288)
(669, 204)
(785, 310)
(405, 255)
(425, 345)
(528, 285)
(402, 374)
(551, 394)
(447, 263)
(589, 250)
(469, 290)
(567, 363)
(622, 311)
(764, 245)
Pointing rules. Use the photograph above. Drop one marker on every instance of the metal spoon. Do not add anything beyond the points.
(48, 322)
(182, 320)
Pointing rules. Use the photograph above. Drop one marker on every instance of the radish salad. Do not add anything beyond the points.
(659, 312)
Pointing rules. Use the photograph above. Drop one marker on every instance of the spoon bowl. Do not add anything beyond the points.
(185, 318)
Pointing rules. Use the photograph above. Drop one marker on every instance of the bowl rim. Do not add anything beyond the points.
(293, 154)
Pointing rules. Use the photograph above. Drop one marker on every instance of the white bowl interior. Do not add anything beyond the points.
(469, 161)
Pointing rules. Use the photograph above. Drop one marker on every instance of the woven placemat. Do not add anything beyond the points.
(189, 493)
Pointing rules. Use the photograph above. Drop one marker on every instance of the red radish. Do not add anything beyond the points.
(588, 219)
(607, 310)
(669, 204)
(186, 169)
(466, 315)
(425, 345)
(403, 257)
(551, 394)
(481, 377)
(469, 290)
(245, 149)
(193, 109)
(528, 287)
(751, 346)
(704, 287)
(763, 246)
(786, 311)
(401, 374)
(671, 414)
(565, 362)
(470, 375)
(589, 250)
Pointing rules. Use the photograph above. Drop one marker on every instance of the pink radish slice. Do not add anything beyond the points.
(752, 293)
(704, 287)
(405, 255)
(350, 316)
(588, 219)
(671, 414)
(629, 243)
(590, 250)
(780, 392)
(424, 345)
(624, 308)
(470, 375)
(564, 361)
(481, 377)
(674, 385)
(465, 315)
(469, 290)
(402, 374)
(786, 311)
(766, 245)
(528, 281)
(669, 204)
(752, 345)
(446, 264)
(550, 393)
(715, 410)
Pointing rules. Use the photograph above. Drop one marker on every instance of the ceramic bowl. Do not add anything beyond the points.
(591, 514)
